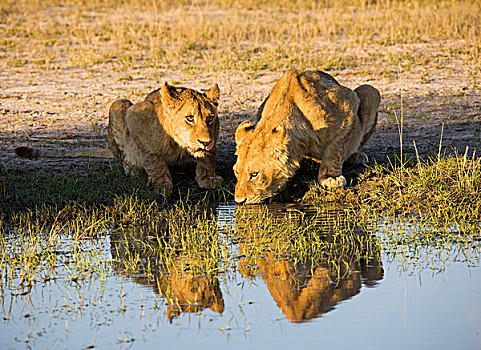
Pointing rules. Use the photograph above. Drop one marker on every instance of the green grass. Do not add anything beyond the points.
(441, 190)
(100, 185)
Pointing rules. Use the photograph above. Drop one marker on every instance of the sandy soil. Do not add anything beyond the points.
(68, 107)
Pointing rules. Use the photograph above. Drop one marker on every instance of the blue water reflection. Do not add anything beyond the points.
(430, 300)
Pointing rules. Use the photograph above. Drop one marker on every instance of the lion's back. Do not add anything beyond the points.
(308, 97)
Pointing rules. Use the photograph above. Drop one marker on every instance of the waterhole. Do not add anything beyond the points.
(274, 276)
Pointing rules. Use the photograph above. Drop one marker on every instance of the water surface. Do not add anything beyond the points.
(376, 296)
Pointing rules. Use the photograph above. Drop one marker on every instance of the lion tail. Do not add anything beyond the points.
(26, 152)
(33, 153)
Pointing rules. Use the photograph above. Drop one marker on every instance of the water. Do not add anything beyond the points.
(403, 296)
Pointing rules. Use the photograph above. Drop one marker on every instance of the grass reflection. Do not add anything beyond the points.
(310, 259)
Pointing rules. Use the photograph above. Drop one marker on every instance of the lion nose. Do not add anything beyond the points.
(204, 143)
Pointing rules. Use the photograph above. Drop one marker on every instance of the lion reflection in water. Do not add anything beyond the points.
(304, 290)
(184, 291)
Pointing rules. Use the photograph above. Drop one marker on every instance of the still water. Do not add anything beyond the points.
(398, 298)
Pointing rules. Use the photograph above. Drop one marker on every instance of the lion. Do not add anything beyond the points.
(171, 125)
(307, 114)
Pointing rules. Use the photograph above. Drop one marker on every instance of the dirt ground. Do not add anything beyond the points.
(67, 108)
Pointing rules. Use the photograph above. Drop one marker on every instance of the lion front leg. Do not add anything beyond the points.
(328, 181)
(330, 171)
(356, 159)
(158, 173)
(205, 173)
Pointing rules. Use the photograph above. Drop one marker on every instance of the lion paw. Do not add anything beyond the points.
(334, 182)
(163, 188)
(357, 158)
(211, 182)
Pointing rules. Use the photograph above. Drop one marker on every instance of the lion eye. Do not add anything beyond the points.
(210, 119)
(253, 175)
(189, 119)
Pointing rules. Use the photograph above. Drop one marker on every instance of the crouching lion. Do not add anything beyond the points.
(171, 125)
(307, 114)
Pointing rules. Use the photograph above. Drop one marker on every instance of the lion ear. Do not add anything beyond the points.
(213, 94)
(242, 130)
(169, 94)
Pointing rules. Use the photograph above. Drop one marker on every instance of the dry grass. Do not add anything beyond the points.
(240, 35)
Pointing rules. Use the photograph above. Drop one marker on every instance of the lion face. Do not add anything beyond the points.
(191, 118)
(261, 168)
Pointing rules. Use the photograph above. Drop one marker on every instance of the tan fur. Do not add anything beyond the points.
(155, 133)
(307, 114)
